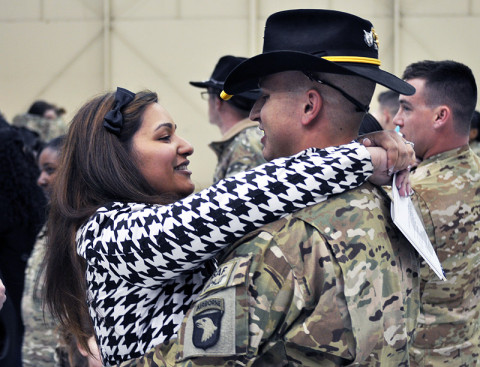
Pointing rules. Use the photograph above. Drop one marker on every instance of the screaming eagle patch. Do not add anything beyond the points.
(207, 322)
(217, 323)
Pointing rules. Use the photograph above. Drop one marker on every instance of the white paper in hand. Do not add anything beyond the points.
(406, 219)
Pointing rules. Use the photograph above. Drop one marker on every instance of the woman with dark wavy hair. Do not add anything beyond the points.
(22, 214)
(127, 241)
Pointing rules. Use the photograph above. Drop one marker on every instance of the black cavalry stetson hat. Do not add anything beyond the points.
(224, 66)
(315, 40)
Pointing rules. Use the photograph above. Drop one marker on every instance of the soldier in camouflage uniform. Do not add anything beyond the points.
(46, 128)
(239, 149)
(475, 146)
(39, 125)
(474, 137)
(40, 337)
(43, 118)
(447, 187)
(336, 283)
(338, 298)
(387, 109)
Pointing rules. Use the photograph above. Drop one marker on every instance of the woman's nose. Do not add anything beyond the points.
(42, 179)
(185, 148)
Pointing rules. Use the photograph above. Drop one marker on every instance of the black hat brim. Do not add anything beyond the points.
(382, 77)
(250, 93)
(207, 84)
(246, 75)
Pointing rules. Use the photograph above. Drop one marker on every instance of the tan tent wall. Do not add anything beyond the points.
(66, 51)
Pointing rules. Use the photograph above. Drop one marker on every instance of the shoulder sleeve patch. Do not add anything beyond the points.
(217, 323)
(210, 326)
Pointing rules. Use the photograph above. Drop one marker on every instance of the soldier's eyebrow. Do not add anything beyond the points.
(404, 102)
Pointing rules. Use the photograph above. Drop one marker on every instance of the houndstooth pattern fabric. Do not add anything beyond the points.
(147, 263)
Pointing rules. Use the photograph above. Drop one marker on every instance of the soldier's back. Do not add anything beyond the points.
(361, 285)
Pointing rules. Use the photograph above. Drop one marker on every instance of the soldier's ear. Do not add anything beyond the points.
(387, 116)
(217, 103)
(442, 114)
(312, 106)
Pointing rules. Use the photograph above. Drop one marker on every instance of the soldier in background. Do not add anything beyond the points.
(474, 137)
(239, 149)
(336, 283)
(44, 119)
(387, 109)
(447, 185)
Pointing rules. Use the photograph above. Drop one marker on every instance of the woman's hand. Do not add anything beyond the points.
(400, 153)
(390, 154)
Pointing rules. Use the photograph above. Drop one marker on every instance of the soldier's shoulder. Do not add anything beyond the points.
(256, 241)
(349, 203)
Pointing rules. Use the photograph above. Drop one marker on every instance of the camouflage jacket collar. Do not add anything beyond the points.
(449, 154)
(235, 130)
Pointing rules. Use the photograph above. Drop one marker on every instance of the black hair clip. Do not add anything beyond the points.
(113, 120)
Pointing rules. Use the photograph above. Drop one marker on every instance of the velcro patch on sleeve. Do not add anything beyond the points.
(231, 273)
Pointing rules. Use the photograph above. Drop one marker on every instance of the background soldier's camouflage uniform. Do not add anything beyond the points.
(40, 338)
(46, 128)
(447, 188)
(239, 150)
(475, 146)
(333, 284)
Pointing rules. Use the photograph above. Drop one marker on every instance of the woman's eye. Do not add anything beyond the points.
(164, 138)
(49, 171)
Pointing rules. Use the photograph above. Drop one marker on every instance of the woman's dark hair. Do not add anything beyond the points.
(55, 144)
(97, 167)
(71, 355)
(22, 201)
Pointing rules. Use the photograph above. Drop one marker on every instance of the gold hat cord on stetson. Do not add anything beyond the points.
(359, 59)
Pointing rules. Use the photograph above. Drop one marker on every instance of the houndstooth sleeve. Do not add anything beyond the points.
(153, 243)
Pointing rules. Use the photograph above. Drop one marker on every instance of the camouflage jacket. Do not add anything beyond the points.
(475, 146)
(239, 150)
(40, 337)
(447, 194)
(334, 284)
(46, 128)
